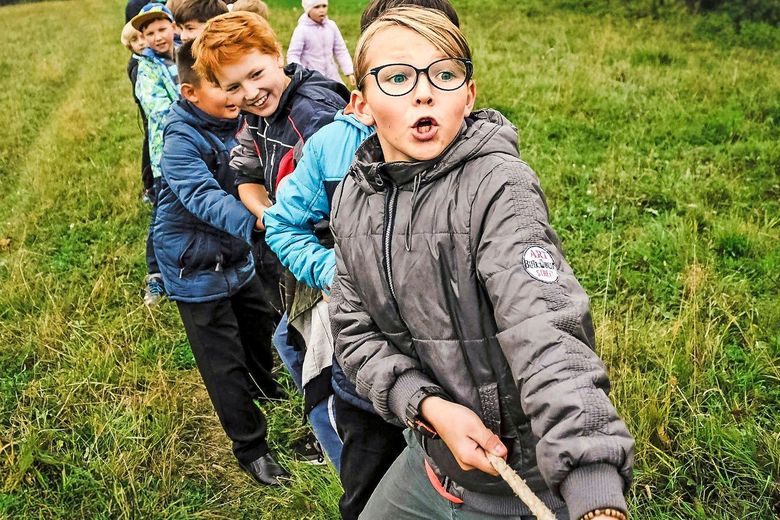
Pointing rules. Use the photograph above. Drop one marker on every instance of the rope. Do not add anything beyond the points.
(521, 489)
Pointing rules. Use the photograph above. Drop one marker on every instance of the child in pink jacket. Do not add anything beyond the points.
(317, 40)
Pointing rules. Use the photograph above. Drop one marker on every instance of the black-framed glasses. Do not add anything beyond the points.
(398, 79)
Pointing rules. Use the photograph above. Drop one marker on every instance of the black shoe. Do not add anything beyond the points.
(265, 470)
(308, 450)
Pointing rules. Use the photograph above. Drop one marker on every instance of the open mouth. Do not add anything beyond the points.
(425, 128)
(259, 102)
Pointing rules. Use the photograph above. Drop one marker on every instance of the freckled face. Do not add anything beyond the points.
(255, 83)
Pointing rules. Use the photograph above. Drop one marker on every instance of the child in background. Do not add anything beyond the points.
(136, 43)
(453, 309)
(203, 237)
(191, 16)
(156, 88)
(294, 231)
(251, 6)
(317, 40)
(283, 106)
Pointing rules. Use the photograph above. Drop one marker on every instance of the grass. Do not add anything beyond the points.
(656, 142)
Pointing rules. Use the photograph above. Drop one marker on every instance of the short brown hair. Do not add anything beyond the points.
(185, 62)
(430, 24)
(377, 7)
(228, 37)
(197, 10)
(253, 6)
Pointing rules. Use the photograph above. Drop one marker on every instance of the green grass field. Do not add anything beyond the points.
(657, 140)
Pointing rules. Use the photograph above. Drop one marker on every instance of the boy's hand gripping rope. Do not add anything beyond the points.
(521, 489)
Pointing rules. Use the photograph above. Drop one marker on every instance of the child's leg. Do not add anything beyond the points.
(256, 318)
(151, 260)
(323, 421)
(292, 359)
(371, 445)
(212, 330)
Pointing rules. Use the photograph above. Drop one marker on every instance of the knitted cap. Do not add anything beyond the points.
(309, 4)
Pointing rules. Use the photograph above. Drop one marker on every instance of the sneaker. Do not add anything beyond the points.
(146, 196)
(154, 289)
(308, 450)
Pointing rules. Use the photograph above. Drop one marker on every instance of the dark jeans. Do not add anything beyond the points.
(231, 341)
(370, 447)
(151, 260)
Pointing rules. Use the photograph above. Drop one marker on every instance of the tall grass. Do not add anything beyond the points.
(656, 143)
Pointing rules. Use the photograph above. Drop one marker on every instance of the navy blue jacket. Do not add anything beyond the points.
(202, 232)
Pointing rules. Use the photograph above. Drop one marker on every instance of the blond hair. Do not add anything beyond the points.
(229, 37)
(431, 24)
(128, 33)
(253, 6)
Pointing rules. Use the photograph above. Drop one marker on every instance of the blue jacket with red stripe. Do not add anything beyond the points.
(264, 154)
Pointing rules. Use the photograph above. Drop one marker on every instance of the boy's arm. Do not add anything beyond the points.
(194, 185)
(341, 52)
(295, 50)
(155, 103)
(585, 451)
(301, 202)
(248, 168)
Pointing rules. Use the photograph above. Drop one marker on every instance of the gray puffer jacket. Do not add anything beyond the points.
(450, 275)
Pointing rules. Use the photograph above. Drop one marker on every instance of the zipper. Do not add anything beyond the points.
(391, 202)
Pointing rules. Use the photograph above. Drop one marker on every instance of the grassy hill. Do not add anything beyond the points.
(657, 142)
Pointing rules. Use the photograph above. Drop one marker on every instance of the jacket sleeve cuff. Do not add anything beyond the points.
(596, 486)
(404, 388)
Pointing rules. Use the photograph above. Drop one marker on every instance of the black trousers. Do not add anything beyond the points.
(371, 445)
(231, 341)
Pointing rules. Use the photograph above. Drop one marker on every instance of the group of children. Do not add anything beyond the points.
(426, 311)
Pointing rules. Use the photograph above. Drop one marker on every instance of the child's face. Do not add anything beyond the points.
(255, 83)
(318, 12)
(211, 99)
(419, 125)
(137, 42)
(190, 30)
(159, 36)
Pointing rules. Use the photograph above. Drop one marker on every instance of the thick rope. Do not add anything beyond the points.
(521, 489)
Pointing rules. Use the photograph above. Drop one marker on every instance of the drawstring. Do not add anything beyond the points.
(416, 188)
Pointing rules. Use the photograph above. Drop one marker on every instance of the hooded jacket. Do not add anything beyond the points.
(450, 276)
(156, 89)
(265, 151)
(314, 45)
(202, 233)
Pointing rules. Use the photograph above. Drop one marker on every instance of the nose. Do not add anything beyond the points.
(423, 91)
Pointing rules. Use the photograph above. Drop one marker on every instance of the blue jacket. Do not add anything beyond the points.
(303, 199)
(202, 233)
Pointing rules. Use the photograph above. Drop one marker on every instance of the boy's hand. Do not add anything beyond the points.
(255, 198)
(463, 432)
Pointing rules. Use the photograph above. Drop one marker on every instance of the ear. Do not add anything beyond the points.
(279, 56)
(188, 92)
(471, 90)
(361, 108)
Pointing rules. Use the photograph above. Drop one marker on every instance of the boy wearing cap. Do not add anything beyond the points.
(157, 89)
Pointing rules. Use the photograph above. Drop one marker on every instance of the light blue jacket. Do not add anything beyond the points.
(304, 199)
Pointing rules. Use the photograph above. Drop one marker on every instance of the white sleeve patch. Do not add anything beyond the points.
(539, 263)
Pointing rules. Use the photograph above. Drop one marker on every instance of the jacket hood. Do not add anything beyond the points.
(187, 112)
(304, 19)
(484, 132)
(303, 80)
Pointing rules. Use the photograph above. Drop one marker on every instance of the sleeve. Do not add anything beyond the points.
(297, 44)
(301, 202)
(244, 159)
(341, 53)
(196, 187)
(585, 452)
(155, 103)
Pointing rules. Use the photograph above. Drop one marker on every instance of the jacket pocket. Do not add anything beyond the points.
(201, 252)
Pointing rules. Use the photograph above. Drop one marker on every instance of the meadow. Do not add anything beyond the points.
(657, 140)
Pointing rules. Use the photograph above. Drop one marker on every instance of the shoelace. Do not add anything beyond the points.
(155, 287)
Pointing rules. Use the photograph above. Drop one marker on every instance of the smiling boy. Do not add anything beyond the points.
(203, 243)
(156, 88)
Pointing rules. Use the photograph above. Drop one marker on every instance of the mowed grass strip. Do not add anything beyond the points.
(656, 145)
